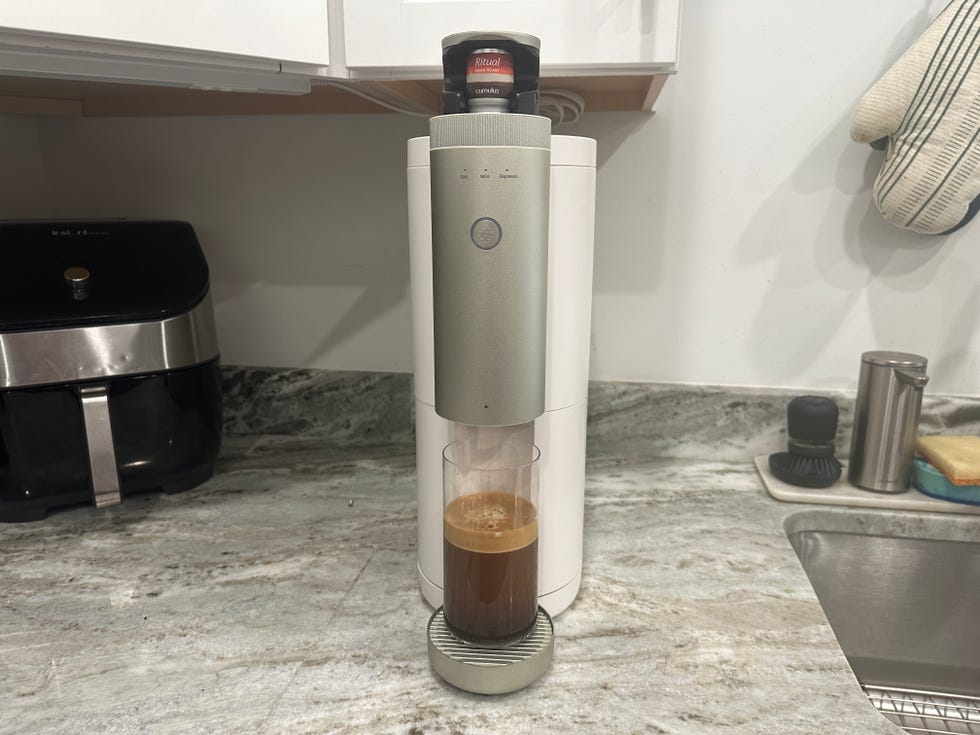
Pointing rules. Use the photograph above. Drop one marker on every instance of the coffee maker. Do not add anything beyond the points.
(501, 219)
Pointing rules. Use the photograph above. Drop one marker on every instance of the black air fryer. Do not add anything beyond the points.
(109, 370)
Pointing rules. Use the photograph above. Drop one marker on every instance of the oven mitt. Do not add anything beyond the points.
(925, 113)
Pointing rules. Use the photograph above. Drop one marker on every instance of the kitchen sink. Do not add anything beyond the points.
(903, 598)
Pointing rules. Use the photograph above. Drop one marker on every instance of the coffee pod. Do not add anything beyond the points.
(489, 80)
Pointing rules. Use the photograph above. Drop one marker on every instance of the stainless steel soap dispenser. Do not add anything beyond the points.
(886, 420)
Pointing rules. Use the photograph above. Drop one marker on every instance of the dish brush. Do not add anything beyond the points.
(809, 461)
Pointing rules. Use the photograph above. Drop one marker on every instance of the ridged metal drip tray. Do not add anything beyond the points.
(491, 669)
(905, 610)
(927, 712)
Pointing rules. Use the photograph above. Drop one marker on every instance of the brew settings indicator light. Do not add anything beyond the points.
(486, 233)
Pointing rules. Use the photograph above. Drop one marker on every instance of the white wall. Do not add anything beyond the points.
(303, 220)
(736, 240)
(23, 183)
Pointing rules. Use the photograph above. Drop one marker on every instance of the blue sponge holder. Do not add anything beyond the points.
(930, 481)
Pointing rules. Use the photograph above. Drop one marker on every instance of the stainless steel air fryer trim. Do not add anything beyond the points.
(111, 350)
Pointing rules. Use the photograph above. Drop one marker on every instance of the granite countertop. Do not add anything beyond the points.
(281, 596)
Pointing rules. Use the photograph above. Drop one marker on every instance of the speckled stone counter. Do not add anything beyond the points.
(281, 596)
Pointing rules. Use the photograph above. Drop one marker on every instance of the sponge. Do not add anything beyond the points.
(957, 457)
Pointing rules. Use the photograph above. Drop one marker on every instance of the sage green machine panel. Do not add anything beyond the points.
(490, 266)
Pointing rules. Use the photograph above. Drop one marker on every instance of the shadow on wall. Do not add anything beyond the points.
(23, 190)
(631, 200)
(303, 218)
(611, 131)
(878, 274)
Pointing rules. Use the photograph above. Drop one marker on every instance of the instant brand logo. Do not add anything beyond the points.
(77, 233)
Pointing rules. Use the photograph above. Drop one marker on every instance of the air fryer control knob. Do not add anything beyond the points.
(77, 279)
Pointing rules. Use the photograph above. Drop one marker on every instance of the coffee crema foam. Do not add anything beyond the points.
(490, 523)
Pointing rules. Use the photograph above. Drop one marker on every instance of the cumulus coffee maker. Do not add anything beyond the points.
(501, 296)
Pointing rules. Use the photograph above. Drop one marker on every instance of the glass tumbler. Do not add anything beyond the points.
(490, 539)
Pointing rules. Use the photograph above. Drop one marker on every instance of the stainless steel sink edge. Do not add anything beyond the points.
(897, 524)
(901, 592)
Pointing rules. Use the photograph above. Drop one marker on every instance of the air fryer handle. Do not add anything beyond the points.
(101, 450)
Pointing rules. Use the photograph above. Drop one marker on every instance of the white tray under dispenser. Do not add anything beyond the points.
(844, 493)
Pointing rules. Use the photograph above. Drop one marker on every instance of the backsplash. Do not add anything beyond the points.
(625, 419)
(728, 423)
(349, 408)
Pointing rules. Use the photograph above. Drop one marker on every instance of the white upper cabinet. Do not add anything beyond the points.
(293, 30)
(401, 38)
(152, 57)
(232, 44)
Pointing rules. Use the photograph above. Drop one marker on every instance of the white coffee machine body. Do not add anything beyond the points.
(560, 431)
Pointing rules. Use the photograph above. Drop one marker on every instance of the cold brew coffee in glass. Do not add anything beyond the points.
(490, 530)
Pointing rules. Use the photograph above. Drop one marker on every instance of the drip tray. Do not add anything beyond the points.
(487, 669)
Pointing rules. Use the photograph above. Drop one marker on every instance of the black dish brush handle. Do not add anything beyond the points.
(812, 419)
(812, 425)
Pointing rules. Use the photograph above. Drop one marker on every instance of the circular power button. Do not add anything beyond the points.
(486, 233)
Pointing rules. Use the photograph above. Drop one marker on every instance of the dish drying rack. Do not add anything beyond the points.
(920, 711)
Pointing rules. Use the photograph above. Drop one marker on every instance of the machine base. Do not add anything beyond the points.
(489, 670)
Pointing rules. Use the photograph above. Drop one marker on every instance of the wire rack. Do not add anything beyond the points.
(920, 711)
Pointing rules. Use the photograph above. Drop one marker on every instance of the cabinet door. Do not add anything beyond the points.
(287, 31)
(401, 38)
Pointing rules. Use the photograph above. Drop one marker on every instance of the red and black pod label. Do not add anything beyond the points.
(490, 73)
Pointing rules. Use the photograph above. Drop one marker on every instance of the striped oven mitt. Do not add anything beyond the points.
(925, 113)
